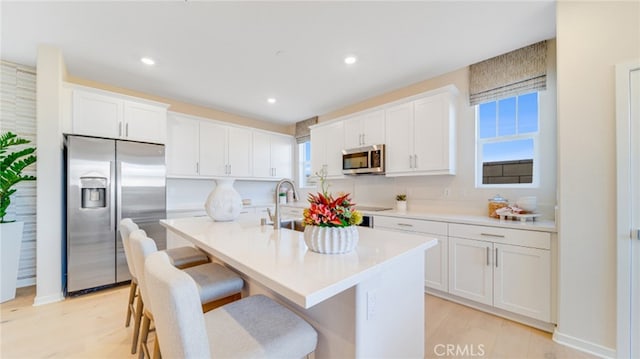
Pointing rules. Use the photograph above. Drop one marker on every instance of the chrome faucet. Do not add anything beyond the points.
(276, 217)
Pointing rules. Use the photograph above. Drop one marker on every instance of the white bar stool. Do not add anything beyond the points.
(217, 285)
(253, 327)
(181, 257)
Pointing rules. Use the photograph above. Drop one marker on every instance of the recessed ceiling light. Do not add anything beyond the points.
(148, 61)
(271, 100)
(349, 60)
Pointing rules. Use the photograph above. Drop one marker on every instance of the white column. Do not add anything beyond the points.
(49, 243)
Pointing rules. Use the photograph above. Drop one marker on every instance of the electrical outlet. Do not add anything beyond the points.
(371, 305)
(447, 192)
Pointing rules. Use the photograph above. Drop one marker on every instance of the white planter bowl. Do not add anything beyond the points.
(10, 242)
(331, 240)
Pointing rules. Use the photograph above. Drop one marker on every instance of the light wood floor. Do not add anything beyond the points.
(92, 326)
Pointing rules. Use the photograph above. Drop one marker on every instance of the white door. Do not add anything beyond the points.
(353, 132)
(213, 149)
(262, 155)
(144, 122)
(335, 145)
(431, 130)
(281, 156)
(628, 208)
(239, 154)
(522, 280)
(399, 127)
(182, 147)
(97, 115)
(436, 268)
(470, 269)
(373, 130)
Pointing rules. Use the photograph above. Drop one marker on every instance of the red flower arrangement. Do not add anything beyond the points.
(326, 211)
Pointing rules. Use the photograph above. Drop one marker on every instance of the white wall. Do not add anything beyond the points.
(458, 194)
(190, 194)
(591, 38)
(49, 245)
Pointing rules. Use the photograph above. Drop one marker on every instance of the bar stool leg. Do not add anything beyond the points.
(132, 297)
(136, 325)
(144, 336)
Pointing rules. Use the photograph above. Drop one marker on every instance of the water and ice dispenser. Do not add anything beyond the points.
(94, 192)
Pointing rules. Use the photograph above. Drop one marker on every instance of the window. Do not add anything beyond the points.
(507, 142)
(305, 178)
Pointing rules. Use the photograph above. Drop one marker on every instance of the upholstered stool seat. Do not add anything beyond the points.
(258, 327)
(185, 257)
(253, 327)
(181, 257)
(216, 284)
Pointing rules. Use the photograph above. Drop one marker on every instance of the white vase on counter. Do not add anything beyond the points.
(224, 202)
(401, 206)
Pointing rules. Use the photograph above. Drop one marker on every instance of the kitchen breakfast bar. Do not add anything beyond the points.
(363, 304)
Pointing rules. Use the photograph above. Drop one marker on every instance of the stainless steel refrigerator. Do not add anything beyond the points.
(108, 180)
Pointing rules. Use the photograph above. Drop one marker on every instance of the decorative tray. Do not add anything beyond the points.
(521, 217)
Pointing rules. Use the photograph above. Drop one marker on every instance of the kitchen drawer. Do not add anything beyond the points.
(515, 237)
(410, 225)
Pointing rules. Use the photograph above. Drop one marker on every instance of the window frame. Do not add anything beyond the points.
(300, 162)
(535, 136)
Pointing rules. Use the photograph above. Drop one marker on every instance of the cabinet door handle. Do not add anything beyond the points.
(119, 129)
(496, 257)
(415, 161)
(488, 250)
(492, 235)
(197, 167)
(410, 161)
(126, 129)
(405, 225)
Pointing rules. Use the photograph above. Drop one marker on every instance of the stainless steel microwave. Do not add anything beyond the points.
(363, 160)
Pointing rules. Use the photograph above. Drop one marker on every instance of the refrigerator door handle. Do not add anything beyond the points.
(118, 180)
(112, 188)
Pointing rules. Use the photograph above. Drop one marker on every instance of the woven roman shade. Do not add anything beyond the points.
(303, 133)
(514, 73)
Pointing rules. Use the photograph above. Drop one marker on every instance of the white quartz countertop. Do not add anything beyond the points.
(280, 260)
(537, 225)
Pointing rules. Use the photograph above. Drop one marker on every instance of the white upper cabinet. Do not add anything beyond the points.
(205, 148)
(182, 146)
(327, 143)
(97, 115)
(144, 122)
(421, 136)
(399, 149)
(213, 149)
(102, 114)
(364, 130)
(272, 155)
(224, 150)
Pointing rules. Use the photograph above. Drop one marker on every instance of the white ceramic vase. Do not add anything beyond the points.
(10, 242)
(331, 240)
(224, 202)
(401, 206)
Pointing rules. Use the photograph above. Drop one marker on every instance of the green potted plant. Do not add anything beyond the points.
(12, 163)
(401, 202)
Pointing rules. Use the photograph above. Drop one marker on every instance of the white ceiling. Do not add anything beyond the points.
(232, 56)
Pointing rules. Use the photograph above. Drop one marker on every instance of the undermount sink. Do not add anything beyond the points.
(295, 224)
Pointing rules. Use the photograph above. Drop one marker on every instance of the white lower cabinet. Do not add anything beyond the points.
(510, 270)
(470, 271)
(502, 268)
(436, 258)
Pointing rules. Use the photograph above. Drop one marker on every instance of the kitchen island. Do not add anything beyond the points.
(367, 303)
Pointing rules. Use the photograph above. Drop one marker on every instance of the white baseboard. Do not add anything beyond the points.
(26, 282)
(41, 300)
(583, 345)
